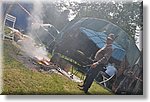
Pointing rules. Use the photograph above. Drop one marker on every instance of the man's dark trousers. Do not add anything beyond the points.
(91, 75)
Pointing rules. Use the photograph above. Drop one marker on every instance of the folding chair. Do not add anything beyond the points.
(12, 19)
(105, 78)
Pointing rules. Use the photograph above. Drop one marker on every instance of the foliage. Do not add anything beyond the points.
(55, 17)
(127, 15)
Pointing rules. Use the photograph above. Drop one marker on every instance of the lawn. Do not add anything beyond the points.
(17, 79)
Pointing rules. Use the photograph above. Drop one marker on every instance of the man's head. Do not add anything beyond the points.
(110, 38)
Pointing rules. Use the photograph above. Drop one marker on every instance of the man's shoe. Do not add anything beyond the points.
(81, 88)
(80, 85)
(86, 92)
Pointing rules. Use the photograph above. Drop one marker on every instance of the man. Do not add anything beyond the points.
(101, 58)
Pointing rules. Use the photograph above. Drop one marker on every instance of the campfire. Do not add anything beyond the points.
(42, 61)
(36, 57)
(36, 52)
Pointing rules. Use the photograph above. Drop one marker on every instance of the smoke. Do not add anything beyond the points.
(33, 50)
(27, 43)
(36, 18)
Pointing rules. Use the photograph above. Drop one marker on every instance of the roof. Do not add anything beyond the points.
(99, 38)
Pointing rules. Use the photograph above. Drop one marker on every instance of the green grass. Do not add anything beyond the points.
(21, 80)
(7, 30)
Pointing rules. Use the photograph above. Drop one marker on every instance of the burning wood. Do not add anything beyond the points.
(31, 49)
(45, 61)
(28, 45)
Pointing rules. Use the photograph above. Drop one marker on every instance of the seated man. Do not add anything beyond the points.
(111, 70)
(108, 75)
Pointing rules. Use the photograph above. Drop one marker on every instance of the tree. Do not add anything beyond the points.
(54, 15)
(127, 15)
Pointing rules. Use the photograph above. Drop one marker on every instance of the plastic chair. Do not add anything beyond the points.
(105, 78)
(12, 19)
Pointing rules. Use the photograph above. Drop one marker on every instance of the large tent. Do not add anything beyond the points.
(77, 44)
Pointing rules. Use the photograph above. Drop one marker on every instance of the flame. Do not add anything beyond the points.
(43, 60)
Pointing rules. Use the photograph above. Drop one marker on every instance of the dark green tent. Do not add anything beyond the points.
(74, 41)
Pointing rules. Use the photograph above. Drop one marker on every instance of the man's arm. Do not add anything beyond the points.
(104, 59)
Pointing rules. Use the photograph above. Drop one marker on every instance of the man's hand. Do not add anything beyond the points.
(94, 65)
